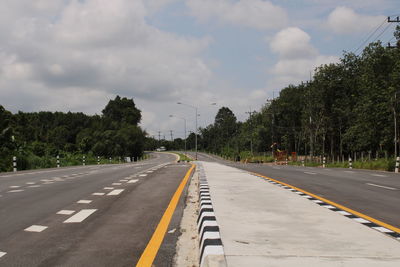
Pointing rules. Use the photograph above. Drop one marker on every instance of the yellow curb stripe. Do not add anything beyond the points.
(359, 214)
(150, 252)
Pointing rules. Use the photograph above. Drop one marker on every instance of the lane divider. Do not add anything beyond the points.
(151, 250)
(359, 217)
(211, 247)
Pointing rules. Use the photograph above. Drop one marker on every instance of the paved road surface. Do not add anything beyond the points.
(86, 216)
(373, 193)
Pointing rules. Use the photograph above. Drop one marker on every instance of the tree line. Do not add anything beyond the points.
(347, 107)
(36, 138)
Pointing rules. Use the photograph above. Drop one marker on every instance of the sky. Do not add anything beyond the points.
(76, 55)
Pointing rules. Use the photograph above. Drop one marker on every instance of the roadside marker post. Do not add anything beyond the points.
(58, 161)
(350, 163)
(286, 161)
(98, 160)
(14, 164)
(83, 161)
(323, 162)
(396, 170)
(302, 162)
(110, 160)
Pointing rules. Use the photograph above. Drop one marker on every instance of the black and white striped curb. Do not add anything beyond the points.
(349, 215)
(209, 236)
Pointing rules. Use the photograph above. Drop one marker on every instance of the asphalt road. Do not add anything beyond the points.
(373, 193)
(102, 215)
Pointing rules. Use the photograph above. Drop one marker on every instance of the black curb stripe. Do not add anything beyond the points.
(205, 210)
(208, 229)
(210, 242)
(206, 218)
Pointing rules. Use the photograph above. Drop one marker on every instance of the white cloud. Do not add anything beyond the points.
(297, 57)
(344, 20)
(75, 55)
(256, 14)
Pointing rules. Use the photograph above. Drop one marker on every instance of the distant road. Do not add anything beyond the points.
(373, 193)
(98, 215)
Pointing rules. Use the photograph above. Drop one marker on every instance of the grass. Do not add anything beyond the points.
(182, 157)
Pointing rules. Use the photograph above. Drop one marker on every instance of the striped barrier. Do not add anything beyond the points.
(211, 248)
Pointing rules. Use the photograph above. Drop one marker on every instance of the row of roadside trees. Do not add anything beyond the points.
(348, 109)
(36, 138)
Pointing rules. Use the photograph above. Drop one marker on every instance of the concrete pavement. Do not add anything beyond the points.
(374, 193)
(262, 224)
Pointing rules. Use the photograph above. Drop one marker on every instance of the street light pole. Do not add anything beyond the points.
(184, 123)
(195, 132)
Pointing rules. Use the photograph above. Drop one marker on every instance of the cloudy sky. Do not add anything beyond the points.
(75, 55)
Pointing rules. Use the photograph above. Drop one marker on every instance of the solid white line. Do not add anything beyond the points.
(115, 192)
(98, 194)
(381, 186)
(80, 216)
(84, 201)
(15, 191)
(132, 181)
(65, 212)
(2, 253)
(35, 228)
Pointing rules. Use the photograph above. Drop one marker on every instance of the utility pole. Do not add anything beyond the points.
(396, 20)
(159, 136)
(172, 138)
(251, 130)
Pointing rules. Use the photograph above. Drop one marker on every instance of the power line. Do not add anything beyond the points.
(369, 37)
(376, 38)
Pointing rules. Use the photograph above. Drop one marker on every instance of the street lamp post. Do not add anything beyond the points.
(184, 123)
(195, 131)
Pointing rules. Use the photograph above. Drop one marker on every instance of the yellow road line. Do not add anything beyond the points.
(359, 214)
(150, 252)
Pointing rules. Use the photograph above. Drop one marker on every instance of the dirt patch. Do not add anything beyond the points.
(187, 247)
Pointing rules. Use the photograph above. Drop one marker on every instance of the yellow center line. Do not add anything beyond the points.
(150, 252)
(359, 214)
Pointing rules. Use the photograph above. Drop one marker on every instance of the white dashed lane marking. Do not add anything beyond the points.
(379, 175)
(98, 194)
(15, 191)
(65, 212)
(133, 181)
(35, 228)
(15, 186)
(80, 216)
(382, 186)
(108, 188)
(142, 175)
(32, 186)
(84, 201)
(30, 183)
(115, 192)
(116, 183)
(2, 253)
